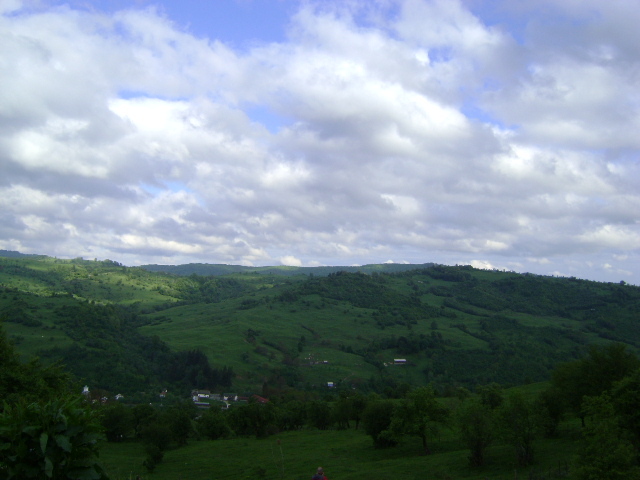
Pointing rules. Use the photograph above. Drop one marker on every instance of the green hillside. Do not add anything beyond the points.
(131, 329)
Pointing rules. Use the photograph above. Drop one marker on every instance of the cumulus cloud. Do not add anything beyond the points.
(291, 261)
(427, 130)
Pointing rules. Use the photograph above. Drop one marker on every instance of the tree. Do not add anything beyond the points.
(180, 424)
(341, 412)
(143, 414)
(594, 374)
(255, 418)
(625, 396)
(608, 364)
(57, 439)
(358, 404)
(377, 419)
(551, 406)
(606, 453)
(477, 429)
(420, 414)
(319, 414)
(117, 421)
(213, 424)
(293, 415)
(490, 395)
(519, 425)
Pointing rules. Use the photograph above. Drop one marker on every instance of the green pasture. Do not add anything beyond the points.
(219, 330)
(345, 455)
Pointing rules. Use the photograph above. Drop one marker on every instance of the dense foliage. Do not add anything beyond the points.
(54, 439)
(47, 431)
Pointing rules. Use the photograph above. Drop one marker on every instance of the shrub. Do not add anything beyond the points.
(56, 439)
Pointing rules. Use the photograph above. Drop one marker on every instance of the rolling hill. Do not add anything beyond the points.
(134, 329)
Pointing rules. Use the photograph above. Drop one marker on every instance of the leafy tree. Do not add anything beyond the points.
(594, 374)
(179, 422)
(377, 418)
(490, 395)
(461, 394)
(519, 425)
(254, 418)
(625, 397)
(117, 421)
(420, 414)
(213, 424)
(57, 439)
(477, 428)
(606, 453)
(341, 412)
(551, 406)
(238, 421)
(293, 415)
(319, 414)
(606, 365)
(358, 404)
(143, 414)
(571, 382)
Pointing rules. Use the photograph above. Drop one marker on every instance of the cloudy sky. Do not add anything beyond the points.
(264, 132)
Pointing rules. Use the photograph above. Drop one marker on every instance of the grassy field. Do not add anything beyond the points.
(345, 455)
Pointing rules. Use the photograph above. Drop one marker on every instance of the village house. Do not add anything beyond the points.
(200, 395)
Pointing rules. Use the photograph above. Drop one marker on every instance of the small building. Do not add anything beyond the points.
(330, 384)
(199, 396)
(399, 361)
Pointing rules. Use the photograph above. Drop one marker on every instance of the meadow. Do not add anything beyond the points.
(345, 455)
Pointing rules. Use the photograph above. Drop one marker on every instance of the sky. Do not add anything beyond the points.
(498, 134)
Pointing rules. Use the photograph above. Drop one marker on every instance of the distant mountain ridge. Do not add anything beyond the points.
(16, 254)
(208, 269)
(215, 269)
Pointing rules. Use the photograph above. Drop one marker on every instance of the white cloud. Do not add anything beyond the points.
(291, 261)
(483, 264)
(428, 134)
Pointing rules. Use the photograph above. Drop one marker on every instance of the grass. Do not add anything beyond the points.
(345, 455)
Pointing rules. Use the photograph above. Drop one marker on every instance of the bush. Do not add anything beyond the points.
(154, 457)
(56, 439)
